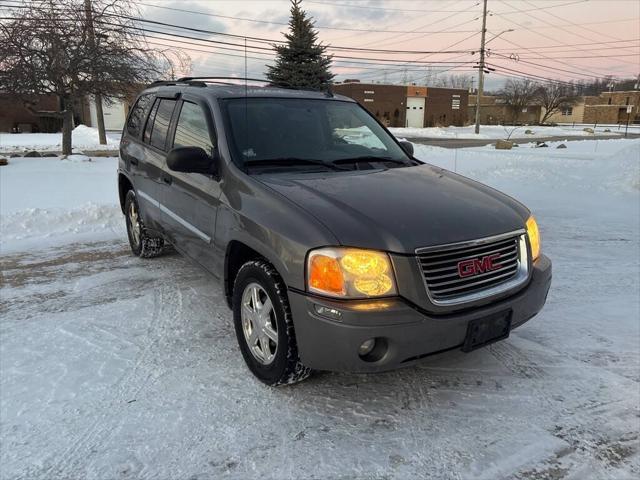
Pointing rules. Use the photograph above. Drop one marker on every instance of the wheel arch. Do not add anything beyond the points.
(237, 254)
(124, 185)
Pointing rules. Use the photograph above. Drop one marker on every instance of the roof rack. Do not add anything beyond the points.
(180, 81)
(203, 81)
(216, 79)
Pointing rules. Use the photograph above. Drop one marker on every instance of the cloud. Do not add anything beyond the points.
(192, 20)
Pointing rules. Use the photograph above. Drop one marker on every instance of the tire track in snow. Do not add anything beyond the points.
(167, 306)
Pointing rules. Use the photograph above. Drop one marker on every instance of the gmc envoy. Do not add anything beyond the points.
(337, 249)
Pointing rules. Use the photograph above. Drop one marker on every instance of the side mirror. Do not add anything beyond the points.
(407, 147)
(190, 160)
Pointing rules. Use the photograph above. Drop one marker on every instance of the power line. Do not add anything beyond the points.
(591, 30)
(578, 44)
(350, 59)
(387, 42)
(253, 20)
(555, 26)
(268, 40)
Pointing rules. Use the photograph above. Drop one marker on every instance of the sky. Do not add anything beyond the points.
(569, 40)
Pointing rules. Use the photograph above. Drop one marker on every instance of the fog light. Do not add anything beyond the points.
(366, 347)
(328, 312)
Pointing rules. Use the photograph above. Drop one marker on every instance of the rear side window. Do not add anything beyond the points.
(191, 130)
(147, 129)
(138, 115)
(161, 123)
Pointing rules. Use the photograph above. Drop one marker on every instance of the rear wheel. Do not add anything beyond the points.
(142, 243)
(264, 325)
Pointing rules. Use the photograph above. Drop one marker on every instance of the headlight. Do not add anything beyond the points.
(534, 237)
(350, 273)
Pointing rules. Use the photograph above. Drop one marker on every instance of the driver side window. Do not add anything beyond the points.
(191, 129)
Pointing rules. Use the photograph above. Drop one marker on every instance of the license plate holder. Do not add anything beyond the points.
(486, 330)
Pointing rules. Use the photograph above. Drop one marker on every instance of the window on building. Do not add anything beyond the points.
(627, 102)
(191, 129)
(566, 111)
(609, 102)
(161, 123)
(138, 115)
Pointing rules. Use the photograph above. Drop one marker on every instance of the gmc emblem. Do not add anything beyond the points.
(475, 266)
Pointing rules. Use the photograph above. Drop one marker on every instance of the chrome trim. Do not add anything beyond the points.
(470, 243)
(520, 277)
(175, 216)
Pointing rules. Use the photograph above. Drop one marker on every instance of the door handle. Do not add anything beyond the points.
(167, 179)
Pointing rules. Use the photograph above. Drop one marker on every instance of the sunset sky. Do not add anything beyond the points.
(558, 39)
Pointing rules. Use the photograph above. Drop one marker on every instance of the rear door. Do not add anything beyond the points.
(190, 200)
(143, 170)
(152, 170)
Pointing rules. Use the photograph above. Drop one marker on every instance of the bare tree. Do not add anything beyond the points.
(50, 47)
(554, 96)
(454, 81)
(518, 94)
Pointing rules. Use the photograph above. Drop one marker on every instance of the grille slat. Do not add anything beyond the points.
(441, 270)
(491, 275)
(456, 259)
(455, 252)
(459, 281)
(504, 261)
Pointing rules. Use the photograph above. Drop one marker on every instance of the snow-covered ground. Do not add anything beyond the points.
(47, 201)
(82, 137)
(117, 367)
(493, 132)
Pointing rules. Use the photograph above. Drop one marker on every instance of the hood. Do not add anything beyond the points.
(401, 209)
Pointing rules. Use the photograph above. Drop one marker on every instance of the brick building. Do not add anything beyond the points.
(612, 107)
(16, 117)
(606, 108)
(409, 106)
(494, 111)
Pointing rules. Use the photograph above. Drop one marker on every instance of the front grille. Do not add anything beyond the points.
(467, 271)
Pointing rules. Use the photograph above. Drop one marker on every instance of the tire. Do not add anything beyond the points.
(278, 363)
(141, 242)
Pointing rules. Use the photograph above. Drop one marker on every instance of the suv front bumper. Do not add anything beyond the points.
(410, 333)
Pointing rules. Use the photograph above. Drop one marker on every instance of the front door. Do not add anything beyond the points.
(190, 200)
(415, 112)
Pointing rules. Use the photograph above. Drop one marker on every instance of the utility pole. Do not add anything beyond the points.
(481, 67)
(97, 97)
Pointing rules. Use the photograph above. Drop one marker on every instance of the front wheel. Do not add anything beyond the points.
(141, 242)
(264, 325)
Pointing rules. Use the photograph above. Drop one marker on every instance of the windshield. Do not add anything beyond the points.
(307, 133)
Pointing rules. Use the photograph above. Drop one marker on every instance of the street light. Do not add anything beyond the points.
(481, 67)
(497, 35)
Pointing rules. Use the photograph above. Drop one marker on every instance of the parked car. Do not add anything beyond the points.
(337, 249)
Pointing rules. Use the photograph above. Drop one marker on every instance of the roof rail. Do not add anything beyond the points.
(202, 81)
(180, 81)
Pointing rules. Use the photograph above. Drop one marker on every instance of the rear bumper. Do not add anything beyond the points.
(410, 333)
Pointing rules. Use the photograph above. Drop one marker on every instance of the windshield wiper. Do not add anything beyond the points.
(370, 158)
(290, 161)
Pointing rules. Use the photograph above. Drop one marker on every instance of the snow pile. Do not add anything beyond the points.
(605, 165)
(47, 202)
(82, 138)
(496, 131)
(35, 228)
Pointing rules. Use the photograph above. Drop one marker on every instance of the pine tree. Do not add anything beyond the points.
(301, 62)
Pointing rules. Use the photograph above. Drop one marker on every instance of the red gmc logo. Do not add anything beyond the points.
(475, 266)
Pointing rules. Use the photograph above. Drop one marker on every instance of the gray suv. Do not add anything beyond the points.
(337, 249)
